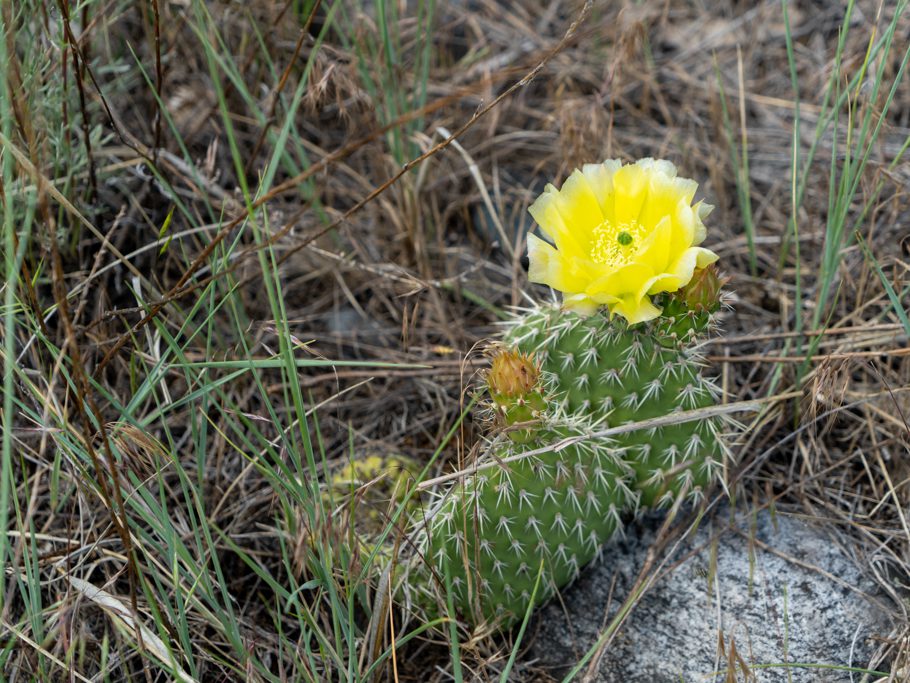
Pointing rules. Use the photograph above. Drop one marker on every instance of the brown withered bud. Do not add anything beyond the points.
(702, 294)
(512, 374)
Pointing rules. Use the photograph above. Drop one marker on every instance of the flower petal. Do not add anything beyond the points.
(631, 189)
(661, 166)
(579, 208)
(655, 251)
(685, 265)
(581, 304)
(684, 228)
(548, 266)
(665, 195)
(701, 213)
(682, 271)
(546, 213)
(636, 310)
(627, 280)
(600, 178)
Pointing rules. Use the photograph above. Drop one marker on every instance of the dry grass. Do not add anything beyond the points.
(274, 158)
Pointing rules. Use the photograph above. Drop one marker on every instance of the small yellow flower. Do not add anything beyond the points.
(621, 234)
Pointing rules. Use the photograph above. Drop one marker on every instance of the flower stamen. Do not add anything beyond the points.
(616, 245)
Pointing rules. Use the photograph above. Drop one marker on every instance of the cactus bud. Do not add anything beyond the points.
(702, 294)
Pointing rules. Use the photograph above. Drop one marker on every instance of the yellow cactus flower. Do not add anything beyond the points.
(622, 233)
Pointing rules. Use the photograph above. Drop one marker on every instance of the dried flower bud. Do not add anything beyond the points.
(512, 374)
(513, 381)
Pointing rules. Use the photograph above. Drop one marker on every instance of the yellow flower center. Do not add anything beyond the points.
(616, 245)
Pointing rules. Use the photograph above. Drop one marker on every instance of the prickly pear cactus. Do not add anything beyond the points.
(565, 383)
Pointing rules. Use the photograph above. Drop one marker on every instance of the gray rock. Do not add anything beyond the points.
(793, 596)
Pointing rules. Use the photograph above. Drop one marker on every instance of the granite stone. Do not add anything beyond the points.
(783, 593)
